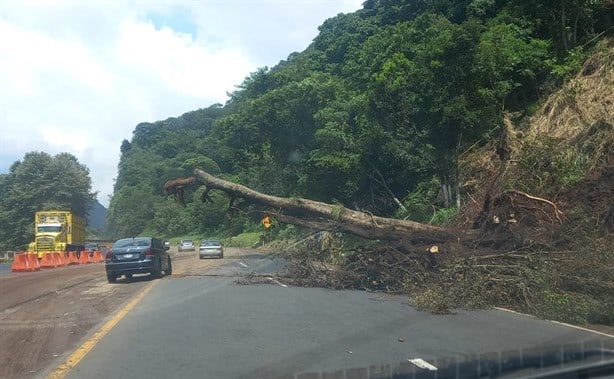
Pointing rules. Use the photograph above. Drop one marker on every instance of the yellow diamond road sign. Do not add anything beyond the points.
(267, 222)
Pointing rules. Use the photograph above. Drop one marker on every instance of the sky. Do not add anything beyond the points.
(78, 76)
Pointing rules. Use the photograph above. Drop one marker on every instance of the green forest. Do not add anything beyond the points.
(380, 106)
(40, 181)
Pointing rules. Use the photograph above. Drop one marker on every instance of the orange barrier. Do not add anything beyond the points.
(56, 258)
(48, 261)
(97, 257)
(72, 258)
(84, 258)
(60, 258)
(33, 260)
(21, 263)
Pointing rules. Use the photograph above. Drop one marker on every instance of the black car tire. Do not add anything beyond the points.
(111, 278)
(157, 270)
(128, 277)
(169, 271)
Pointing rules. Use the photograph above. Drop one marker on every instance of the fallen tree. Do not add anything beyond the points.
(315, 214)
(510, 259)
(509, 220)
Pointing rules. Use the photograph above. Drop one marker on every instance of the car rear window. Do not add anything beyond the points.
(211, 243)
(132, 242)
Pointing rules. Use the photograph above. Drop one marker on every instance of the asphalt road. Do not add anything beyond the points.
(48, 313)
(206, 325)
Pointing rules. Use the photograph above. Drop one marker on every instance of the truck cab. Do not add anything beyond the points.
(57, 231)
(50, 237)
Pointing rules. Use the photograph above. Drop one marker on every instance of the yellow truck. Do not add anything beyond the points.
(57, 231)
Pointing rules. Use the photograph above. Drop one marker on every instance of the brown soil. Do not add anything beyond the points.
(536, 255)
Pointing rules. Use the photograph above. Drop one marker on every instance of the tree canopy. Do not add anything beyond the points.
(378, 107)
(41, 182)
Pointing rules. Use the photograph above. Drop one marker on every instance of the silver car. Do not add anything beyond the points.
(186, 245)
(211, 248)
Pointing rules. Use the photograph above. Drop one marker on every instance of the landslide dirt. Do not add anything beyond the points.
(45, 315)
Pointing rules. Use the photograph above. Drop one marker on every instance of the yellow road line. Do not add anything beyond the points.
(62, 370)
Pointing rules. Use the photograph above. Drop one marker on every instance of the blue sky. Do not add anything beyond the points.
(78, 76)
(178, 19)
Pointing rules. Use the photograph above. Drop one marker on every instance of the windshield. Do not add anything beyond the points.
(49, 228)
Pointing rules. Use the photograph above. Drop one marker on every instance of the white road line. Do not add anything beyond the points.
(555, 322)
(242, 264)
(277, 282)
(421, 363)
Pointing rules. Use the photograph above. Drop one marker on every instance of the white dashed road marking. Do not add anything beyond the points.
(421, 363)
(277, 282)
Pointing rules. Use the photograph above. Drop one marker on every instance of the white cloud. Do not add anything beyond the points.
(78, 76)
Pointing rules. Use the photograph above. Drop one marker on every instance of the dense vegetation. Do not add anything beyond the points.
(40, 182)
(378, 107)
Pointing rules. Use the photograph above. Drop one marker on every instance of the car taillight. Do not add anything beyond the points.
(108, 256)
(149, 253)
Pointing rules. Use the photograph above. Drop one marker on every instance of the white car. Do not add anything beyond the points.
(210, 248)
(186, 245)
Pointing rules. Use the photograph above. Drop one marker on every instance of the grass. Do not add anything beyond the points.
(247, 239)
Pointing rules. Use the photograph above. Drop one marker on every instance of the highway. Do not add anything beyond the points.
(46, 314)
(207, 323)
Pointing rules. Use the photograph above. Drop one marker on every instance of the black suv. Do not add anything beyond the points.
(138, 255)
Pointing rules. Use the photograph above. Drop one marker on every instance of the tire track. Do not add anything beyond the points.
(12, 307)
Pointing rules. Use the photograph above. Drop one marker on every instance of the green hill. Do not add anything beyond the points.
(492, 114)
(379, 107)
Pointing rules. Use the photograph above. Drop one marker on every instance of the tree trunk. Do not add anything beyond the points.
(563, 26)
(382, 180)
(323, 216)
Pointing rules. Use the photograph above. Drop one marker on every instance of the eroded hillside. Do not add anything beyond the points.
(542, 198)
